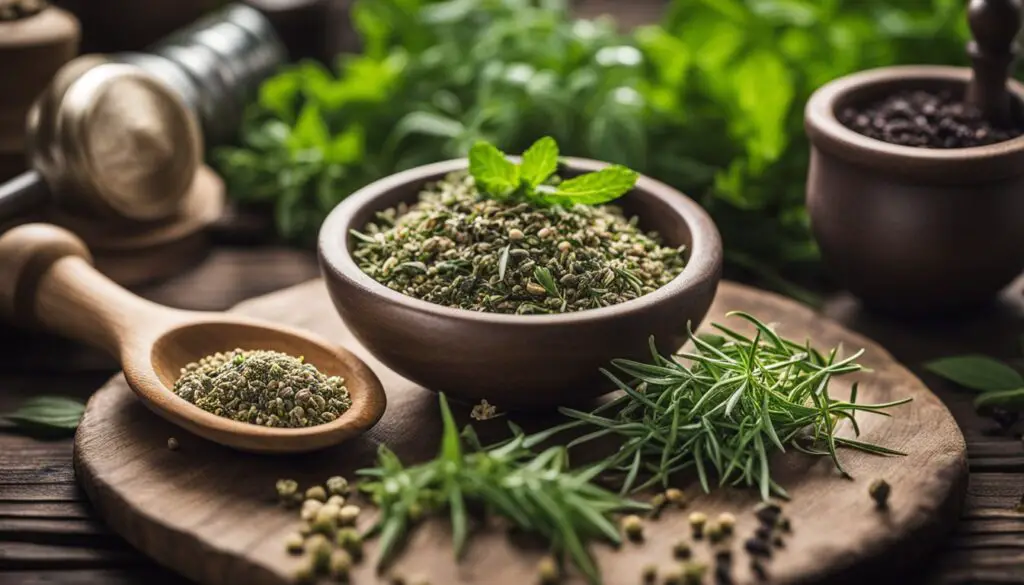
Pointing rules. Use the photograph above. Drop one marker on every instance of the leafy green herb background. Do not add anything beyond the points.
(710, 100)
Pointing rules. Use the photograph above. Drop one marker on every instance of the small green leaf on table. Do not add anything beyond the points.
(977, 372)
(50, 416)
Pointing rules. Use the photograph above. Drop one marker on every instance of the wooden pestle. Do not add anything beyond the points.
(994, 25)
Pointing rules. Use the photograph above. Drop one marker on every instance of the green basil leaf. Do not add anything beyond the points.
(596, 188)
(48, 415)
(977, 372)
(492, 171)
(539, 161)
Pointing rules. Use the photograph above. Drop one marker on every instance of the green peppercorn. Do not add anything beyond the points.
(693, 573)
(316, 493)
(319, 549)
(633, 526)
(697, 522)
(673, 576)
(337, 486)
(337, 501)
(310, 509)
(658, 502)
(727, 522)
(676, 497)
(547, 571)
(649, 574)
(326, 520)
(714, 532)
(681, 550)
(350, 540)
(306, 571)
(341, 564)
(295, 543)
(347, 515)
(287, 489)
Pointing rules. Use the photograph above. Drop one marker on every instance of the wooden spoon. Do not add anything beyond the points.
(46, 277)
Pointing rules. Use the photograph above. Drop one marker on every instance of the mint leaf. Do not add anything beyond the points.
(539, 161)
(592, 188)
(977, 372)
(310, 131)
(492, 171)
(48, 415)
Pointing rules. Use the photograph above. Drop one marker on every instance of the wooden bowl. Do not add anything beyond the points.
(518, 361)
(913, 230)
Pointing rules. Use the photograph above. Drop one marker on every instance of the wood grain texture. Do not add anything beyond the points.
(207, 512)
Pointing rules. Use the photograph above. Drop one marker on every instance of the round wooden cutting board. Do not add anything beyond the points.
(208, 513)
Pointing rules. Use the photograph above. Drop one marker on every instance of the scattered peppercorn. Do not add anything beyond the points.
(723, 555)
(347, 515)
(757, 547)
(337, 486)
(727, 522)
(341, 564)
(758, 570)
(306, 571)
(777, 542)
(326, 520)
(673, 577)
(783, 524)
(681, 550)
(763, 533)
(767, 513)
(649, 574)
(547, 571)
(294, 543)
(693, 573)
(309, 509)
(676, 497)
(397, 579)
(288, 492)
(350, 540)
(723, 574)
(714, 532)
(316, 493)
(879, 491)
(658, 503)
(172, 444)
(633, 526)
(319, 549)
(697, 522)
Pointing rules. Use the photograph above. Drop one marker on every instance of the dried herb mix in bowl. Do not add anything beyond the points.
(262, 387)
(508, 238)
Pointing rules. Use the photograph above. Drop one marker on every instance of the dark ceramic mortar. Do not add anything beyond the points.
(518, 360)
(913, 230)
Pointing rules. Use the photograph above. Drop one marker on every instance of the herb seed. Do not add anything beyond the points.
(727, 522)
(266, 388)
(681, 550)
(341, 564)
(348, 514)
(714, 532)
(337, 486)
(673, 577)
(693, 573)
(547, 571)
(658, 502)
(633, 526)
(879, 491)
(649, 574)
(676, 497)
(294, 543)
(316, 493)
(697, 522)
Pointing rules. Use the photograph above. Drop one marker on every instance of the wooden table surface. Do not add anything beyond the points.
(49, 535)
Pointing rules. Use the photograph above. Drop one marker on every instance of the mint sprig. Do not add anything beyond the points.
(530, 180)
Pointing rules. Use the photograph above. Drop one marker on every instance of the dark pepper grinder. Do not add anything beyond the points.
(994, 25)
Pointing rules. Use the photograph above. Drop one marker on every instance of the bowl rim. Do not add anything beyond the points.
(704, 262)
(824, 129)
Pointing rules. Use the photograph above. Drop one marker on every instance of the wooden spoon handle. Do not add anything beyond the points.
(47, 279)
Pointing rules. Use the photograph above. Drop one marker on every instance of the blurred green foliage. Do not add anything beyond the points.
(710, 100)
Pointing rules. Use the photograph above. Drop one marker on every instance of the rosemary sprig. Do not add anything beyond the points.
(536, 492)
(726, 409)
